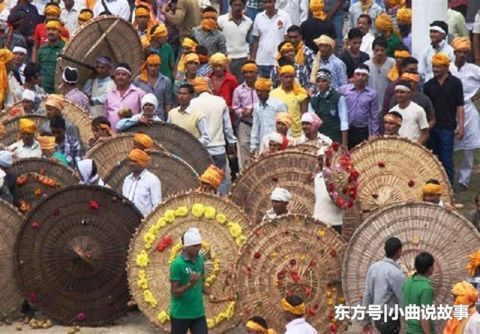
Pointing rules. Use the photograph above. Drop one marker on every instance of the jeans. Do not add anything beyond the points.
(252, 12)
(338, 21)
(265, 70)
(196, 326)
(441, 143)
(236, 67)
(220, 161)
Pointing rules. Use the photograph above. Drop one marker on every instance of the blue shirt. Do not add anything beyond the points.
(162, 91)
(264, 120)
(337, 68)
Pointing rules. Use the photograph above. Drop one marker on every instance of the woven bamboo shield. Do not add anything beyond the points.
(112, 151)
(307, 148)
(448, 236)
(157, 242)
(38, 178)
(103, 36)
(71, 253)
(12, 130)
(175, 174)
(10, 294)
(293, 254)
(393, 170)
(179, 142)
(291, 170)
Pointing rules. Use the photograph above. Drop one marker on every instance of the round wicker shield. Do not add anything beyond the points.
(393, 170)
(293, 254)
(175, 174)
(291, 170)
(12, 131)
(103, 36)
(179, 142)
(448, 236)
(38, 178)
(10, 294)
(108, 154)
(307, 148)
(71, 253)
(223, 227)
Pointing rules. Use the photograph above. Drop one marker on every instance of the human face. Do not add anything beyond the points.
(142, 22)
(192, 251)
(134, 166)
(439, 70)
(263, 95)
(360, 78)
(219, 70)
(184, 96)
(68, 3)
(362, 24)
(102, 70)
(281, 128)
(432, 198)
(290, 54)
(27, 106)
(19, 58)
(53, 35)
(269, 5)
(250, 76)
(121, 78)
(27, 138)
(379, 52)
(325, 50)
(436, 36)
(287, 80)
(402, 96)
(153, 70)
(148, 110)
(307, 128)
(355, 45)
(51, 111)
(98, 132)
(294, 37)
(391, 128)
(191, 67)
(273, 146)
(461, 56)
(59, 134)
(279, 207)
(323, 85)
(237, 7)
(411, 68)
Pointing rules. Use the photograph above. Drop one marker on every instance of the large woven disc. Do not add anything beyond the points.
(174, 173)
(71, 254)
(292, 170)
(179, 142)
(103, 36)
(307, 148)
(12, 130)
(449, 237)
(31, 184)
(393, 170)
(291, 254)
(108, 154)
(152, 240)
(10, 294)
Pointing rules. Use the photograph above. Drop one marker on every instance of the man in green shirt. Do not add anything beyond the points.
(186, 276)
(47, 55)
(418, 290)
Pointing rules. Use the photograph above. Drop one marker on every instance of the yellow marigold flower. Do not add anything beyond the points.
(163, 317)
(240, 240)
(181, 211)
(210, 323)
(230, 310)
(161, 222)
(210, 212)
(148, 297)
(142, 283)
(142, 259)
(273, 254)
(221, 218)
(154, 229)
(148, 245)
(220, 317)
(149, 237)
(321, 233)
(198, 210)
(235, 229)
(142, 273)
(169, 216)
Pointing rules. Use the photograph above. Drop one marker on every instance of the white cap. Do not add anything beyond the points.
(281, 195)
(192, 237)
(149, 99)
(28, 95)
(19, 49)
(275, 137)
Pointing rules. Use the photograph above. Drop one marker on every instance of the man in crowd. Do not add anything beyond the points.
(48, 55)
(327, 59)
(293, 307)
(27, 146)
(74, 95)
(317, 25)
(279, 198)
(353, 56)
(67, 144)
(98, 87)
(208, 34)
(392, 122)
(438, 36)
(364, 23)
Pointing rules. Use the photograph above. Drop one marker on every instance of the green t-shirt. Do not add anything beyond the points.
(168, 58)
(418, 290)
(190, 304)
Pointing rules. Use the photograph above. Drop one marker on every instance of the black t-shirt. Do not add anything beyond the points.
(445, 98)
(313, 28)
(352, 62)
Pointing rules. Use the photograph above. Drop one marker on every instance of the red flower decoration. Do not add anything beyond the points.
(335, 146)
(381, 164)
(93, 205)
(32, 297)
(293, 262)
(411, 183)
(331, 187)
(281, 275)
(295, 276)
(275, 179)
(332, 328)
(308, 291)
(310, 311)
(333, 253)
(81, 317)
(257, 255)
(35, 225)
(164, 243)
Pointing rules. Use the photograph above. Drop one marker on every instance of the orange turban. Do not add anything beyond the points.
(160, 31)
(465, 294)
(212, 176)
(85, 15)
(139, 156)
(201, 84)
(325, 40)
(297, 310)
(47, 142)
(5, 57)
(191, 57)
(383, 22)
(250, 67)
(55, 101)
(404, 16)
(142, 11)
(218, 59)
(473, 263)
(285, 118)
(441, 59)
(287, 69)
(52, 10)
(410, 77)
(189, 43)
(461, 43)
(287, 47)
(317, 8)
(263, 84)
(27, 126)
(401, 54)
(54, 24)
(431, 189)
(153, 59)
(144, 140)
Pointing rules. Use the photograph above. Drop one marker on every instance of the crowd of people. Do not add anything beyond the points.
(246, 78)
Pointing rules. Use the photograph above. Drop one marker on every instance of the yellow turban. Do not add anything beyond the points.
(325, 40)
(142, 11)
(287, 69)
(366, 5)
(52, 10)
(473, 263)
(255, 326)
(250, 67)
(401, 54)
(160, 31)
(263, 84)
(192, 57)
(188, 43)
(5, 57)
(297, 310)
(287, 47)
(153, 59)
(139, 156)
(85, 15)
(285, 118)
(218, 59)
(383, 22)
(212, 176)
(404, 16)
(201, 84)
(47, 142)
(54, 24)
(55, 101)
(27, 126)
(317, 8)
(410, 77)
(465, 293)
(461, 43)
(393, 119)
(431, 189)
(143, 140)
(441, 59)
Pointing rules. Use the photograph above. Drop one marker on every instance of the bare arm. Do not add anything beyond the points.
(345, 138)
(425, 324)
(424, 134)
(460, 122)
(253, 54)
(178, 290)
(476, 48)
(304, 106)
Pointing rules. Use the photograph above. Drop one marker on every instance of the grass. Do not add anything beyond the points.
(467, 198)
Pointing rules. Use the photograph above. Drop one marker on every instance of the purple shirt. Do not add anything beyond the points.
(362, 108)
(244, 97)
(79, 98)
(114, 102)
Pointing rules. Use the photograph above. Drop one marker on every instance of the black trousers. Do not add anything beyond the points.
(356, 136)
(389, 327)
(196, 326)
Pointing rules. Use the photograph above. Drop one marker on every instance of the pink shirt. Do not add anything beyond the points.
(114, 102)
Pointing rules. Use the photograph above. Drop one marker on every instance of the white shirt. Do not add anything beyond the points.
(300, 326)
(320, 141)
(21, 151)
(414, 120)
(145, 191)
(119, 8)
(70, 18)
(476, 24)
(271, 32)
(298, 10)
(473, 324)
(235, 35)
(425, 64)
(325, 210)
(366, 45)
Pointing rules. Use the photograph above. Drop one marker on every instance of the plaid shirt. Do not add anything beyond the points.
(72, 150)
(302, 75)
(257, 4)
